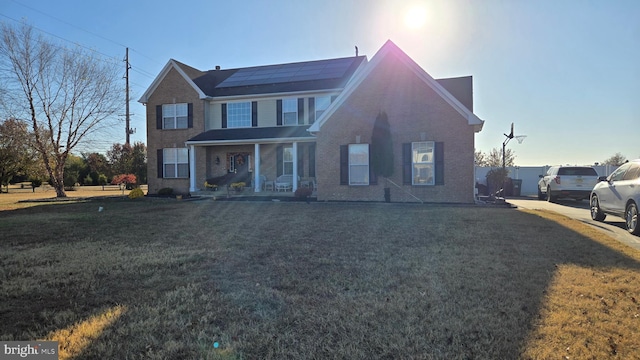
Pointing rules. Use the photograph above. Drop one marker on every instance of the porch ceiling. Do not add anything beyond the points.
(253, 135)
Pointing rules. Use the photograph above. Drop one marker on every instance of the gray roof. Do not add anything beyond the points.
(253, 133)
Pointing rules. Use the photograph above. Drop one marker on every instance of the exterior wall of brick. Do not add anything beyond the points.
(208, 168)
(173, 89)
(416, 113)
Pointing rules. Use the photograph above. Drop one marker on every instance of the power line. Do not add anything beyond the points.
(112, 60)
(68, 23)
(147, 57)
(85, 30)
(144, 73)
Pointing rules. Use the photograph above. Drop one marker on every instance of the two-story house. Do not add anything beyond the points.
(313, 119)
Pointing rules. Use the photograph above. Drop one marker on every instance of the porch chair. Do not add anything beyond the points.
(263, 179)
(266, 184)
(284, 183)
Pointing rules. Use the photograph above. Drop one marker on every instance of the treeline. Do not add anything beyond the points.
(99, 169)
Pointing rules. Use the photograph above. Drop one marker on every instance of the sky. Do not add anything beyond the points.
(565, 73)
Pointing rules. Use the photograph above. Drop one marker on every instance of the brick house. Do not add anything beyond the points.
(432, 134)
(310, 119)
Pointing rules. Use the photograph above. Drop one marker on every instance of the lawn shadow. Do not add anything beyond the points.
(293, 280)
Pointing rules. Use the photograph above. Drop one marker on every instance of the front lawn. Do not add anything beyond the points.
(166, 279)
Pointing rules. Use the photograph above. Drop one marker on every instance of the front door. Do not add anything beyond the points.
(240, 166)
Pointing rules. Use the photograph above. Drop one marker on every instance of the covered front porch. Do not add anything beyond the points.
(249, 194)
(257, 168)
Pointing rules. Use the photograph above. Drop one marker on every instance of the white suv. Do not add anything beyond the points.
(619, 195)
(573, 182)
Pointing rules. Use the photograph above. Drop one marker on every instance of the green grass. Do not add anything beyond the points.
(154, 278)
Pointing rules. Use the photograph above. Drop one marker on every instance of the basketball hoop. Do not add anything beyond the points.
(520, 138)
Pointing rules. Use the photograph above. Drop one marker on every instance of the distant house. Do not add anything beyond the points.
(313, 119)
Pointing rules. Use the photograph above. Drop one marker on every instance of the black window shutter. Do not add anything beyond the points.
(312, 160)
(344, 164)
(312, 110)
(300, 161)
(254, 113)
(373, 177)
(406, 163)
(439, 165)
(188, 163)
(190, 115)
(160, 164)
(224, 116)
(279, 159)
(279, 112)
(300, 111)
(158, 116)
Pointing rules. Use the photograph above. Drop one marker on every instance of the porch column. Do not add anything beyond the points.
(256, 168)
(192, 168)
(295, 166)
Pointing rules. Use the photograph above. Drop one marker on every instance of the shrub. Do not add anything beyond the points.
(35, 182)
(496, 178)
(70, 179)
(102, 179)
(123, 179)
(88, 180)
(209, 186)
(238, 185)
(136, 193)
(303, 193)
(165, 191)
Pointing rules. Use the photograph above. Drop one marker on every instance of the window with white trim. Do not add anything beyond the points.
(422, 159)
(239, 115)
(289, 111)
(175, 116)
(358, 164)
(175, 162)
(321, 104)
(287, 161)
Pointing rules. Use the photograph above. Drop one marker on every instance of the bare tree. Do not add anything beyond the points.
(67, 94)
(494, 158)
(616, 159)
(480, 158)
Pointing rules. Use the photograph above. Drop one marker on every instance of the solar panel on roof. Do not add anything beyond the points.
(274, 74)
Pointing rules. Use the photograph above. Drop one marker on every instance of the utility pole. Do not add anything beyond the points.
(126, 76)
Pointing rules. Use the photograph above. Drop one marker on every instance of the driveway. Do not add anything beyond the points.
(579, 210)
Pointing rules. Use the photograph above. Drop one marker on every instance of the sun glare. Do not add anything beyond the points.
(415, 17)
(74, 339)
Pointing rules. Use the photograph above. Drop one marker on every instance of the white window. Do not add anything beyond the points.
(176, 162)
(239, 115)
(321, 104)
(422, 158)
(287, 161)
(175, 116)
(359, 164)
(289, 111)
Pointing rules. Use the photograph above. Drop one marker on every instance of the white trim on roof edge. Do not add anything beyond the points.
(165, 70)
(390, 48)
(250, 141)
